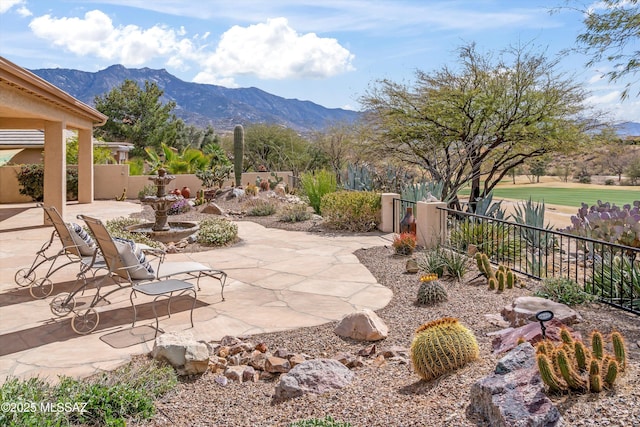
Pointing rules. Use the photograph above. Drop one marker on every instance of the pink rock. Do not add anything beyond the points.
(507, 339)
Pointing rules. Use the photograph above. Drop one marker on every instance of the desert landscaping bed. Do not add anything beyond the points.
(389, 393)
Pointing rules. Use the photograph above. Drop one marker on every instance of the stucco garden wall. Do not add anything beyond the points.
(109, 181)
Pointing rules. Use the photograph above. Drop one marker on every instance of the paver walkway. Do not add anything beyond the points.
(278, 280)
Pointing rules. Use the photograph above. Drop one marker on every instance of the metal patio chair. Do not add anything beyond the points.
(77, 248)
(128, 268)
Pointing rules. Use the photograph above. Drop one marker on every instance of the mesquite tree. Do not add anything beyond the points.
(476, 122)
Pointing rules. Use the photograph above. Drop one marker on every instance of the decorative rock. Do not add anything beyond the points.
(497, 320)
(523, 310)
(212, 209)
(234, 373)
(282, 352)
(515, 398)
(275, 364)
(313, 376)
(183, 352)
(258, 360)
(261, 347)
(250, 375)
(297, 359)
(221, 381)
(229, 340)
(507, 339)
(238, 348)
(368, 351)
(280, 190)
(412, 266)
(363, 325)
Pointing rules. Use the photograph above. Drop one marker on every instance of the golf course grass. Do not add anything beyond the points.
(567, 195)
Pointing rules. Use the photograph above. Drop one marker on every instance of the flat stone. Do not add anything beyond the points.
(275, 364)
(313, 376)
(523, 310)
(507, 339)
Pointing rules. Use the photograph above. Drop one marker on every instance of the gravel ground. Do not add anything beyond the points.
(392, 394)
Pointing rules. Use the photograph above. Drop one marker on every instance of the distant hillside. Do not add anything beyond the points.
(628, 129)
(203, 104)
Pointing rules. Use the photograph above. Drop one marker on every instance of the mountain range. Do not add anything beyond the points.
(202, 104)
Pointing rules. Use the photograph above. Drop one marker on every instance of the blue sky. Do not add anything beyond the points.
(328, 52)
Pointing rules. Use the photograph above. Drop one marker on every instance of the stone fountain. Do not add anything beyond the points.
(162, 230)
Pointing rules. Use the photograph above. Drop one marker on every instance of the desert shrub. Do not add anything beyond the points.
(492, 238)
(404, 243)
(109, 399)
(442, 261)
(147, 190)
(294, 213)
(261, 207)
(327, 421)
(609, 181)
(217, 232)
(563, 290)
(117, 228)
(351, 210)
(316, 185)
(31, 181)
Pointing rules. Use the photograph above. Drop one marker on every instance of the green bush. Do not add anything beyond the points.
(31, 180)
(351, 210)
(261, 207)
(217, 232)
(563, 290)
(109, 399)
(316, 185)
(294, 213)
(327, 421)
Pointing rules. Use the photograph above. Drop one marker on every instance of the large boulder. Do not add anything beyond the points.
(183, 352)
(514, 394)
(363, 325)
(313, 376)
(523, 310)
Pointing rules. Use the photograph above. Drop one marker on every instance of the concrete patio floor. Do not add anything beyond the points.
(277, 280)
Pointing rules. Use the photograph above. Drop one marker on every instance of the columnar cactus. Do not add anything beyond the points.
(238, 153)
(570, 365)
(441, 346)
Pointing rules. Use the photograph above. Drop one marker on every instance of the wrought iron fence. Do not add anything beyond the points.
(607, 270)
(399, 208)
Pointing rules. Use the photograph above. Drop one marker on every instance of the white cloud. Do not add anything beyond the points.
(5, 5)
(274, 50)
(24, 12)
(95, 35)
(271, 50)
(610, 103)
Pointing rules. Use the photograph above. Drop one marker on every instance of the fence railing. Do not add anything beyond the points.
(399, 208)
(607, 270)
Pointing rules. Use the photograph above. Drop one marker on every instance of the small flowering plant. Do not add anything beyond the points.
(180, 206)
(428, 277)
(404, 243)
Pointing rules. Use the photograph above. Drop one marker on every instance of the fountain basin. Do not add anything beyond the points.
(177, 231)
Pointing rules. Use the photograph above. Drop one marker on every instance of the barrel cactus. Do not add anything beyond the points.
(441, 346)
(431, 292)
(238, 153)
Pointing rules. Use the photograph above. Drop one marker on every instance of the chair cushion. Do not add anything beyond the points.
(132, 255)
(84, 242)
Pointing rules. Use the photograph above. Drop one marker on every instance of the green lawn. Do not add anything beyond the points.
(566, 196)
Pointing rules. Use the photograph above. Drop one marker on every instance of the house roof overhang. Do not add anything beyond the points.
(27, 99)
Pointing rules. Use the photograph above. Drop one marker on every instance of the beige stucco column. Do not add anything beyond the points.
(55, 167)
(386, 220)
(85, 166)
(431, 224)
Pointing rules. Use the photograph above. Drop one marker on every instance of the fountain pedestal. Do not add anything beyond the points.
(162, 230)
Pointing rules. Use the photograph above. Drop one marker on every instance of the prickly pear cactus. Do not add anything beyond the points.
(431, 292)
(441, 346)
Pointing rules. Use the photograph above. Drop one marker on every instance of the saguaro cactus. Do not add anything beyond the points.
(238, 153)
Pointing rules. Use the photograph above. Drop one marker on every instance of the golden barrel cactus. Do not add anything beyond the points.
(441, 346)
